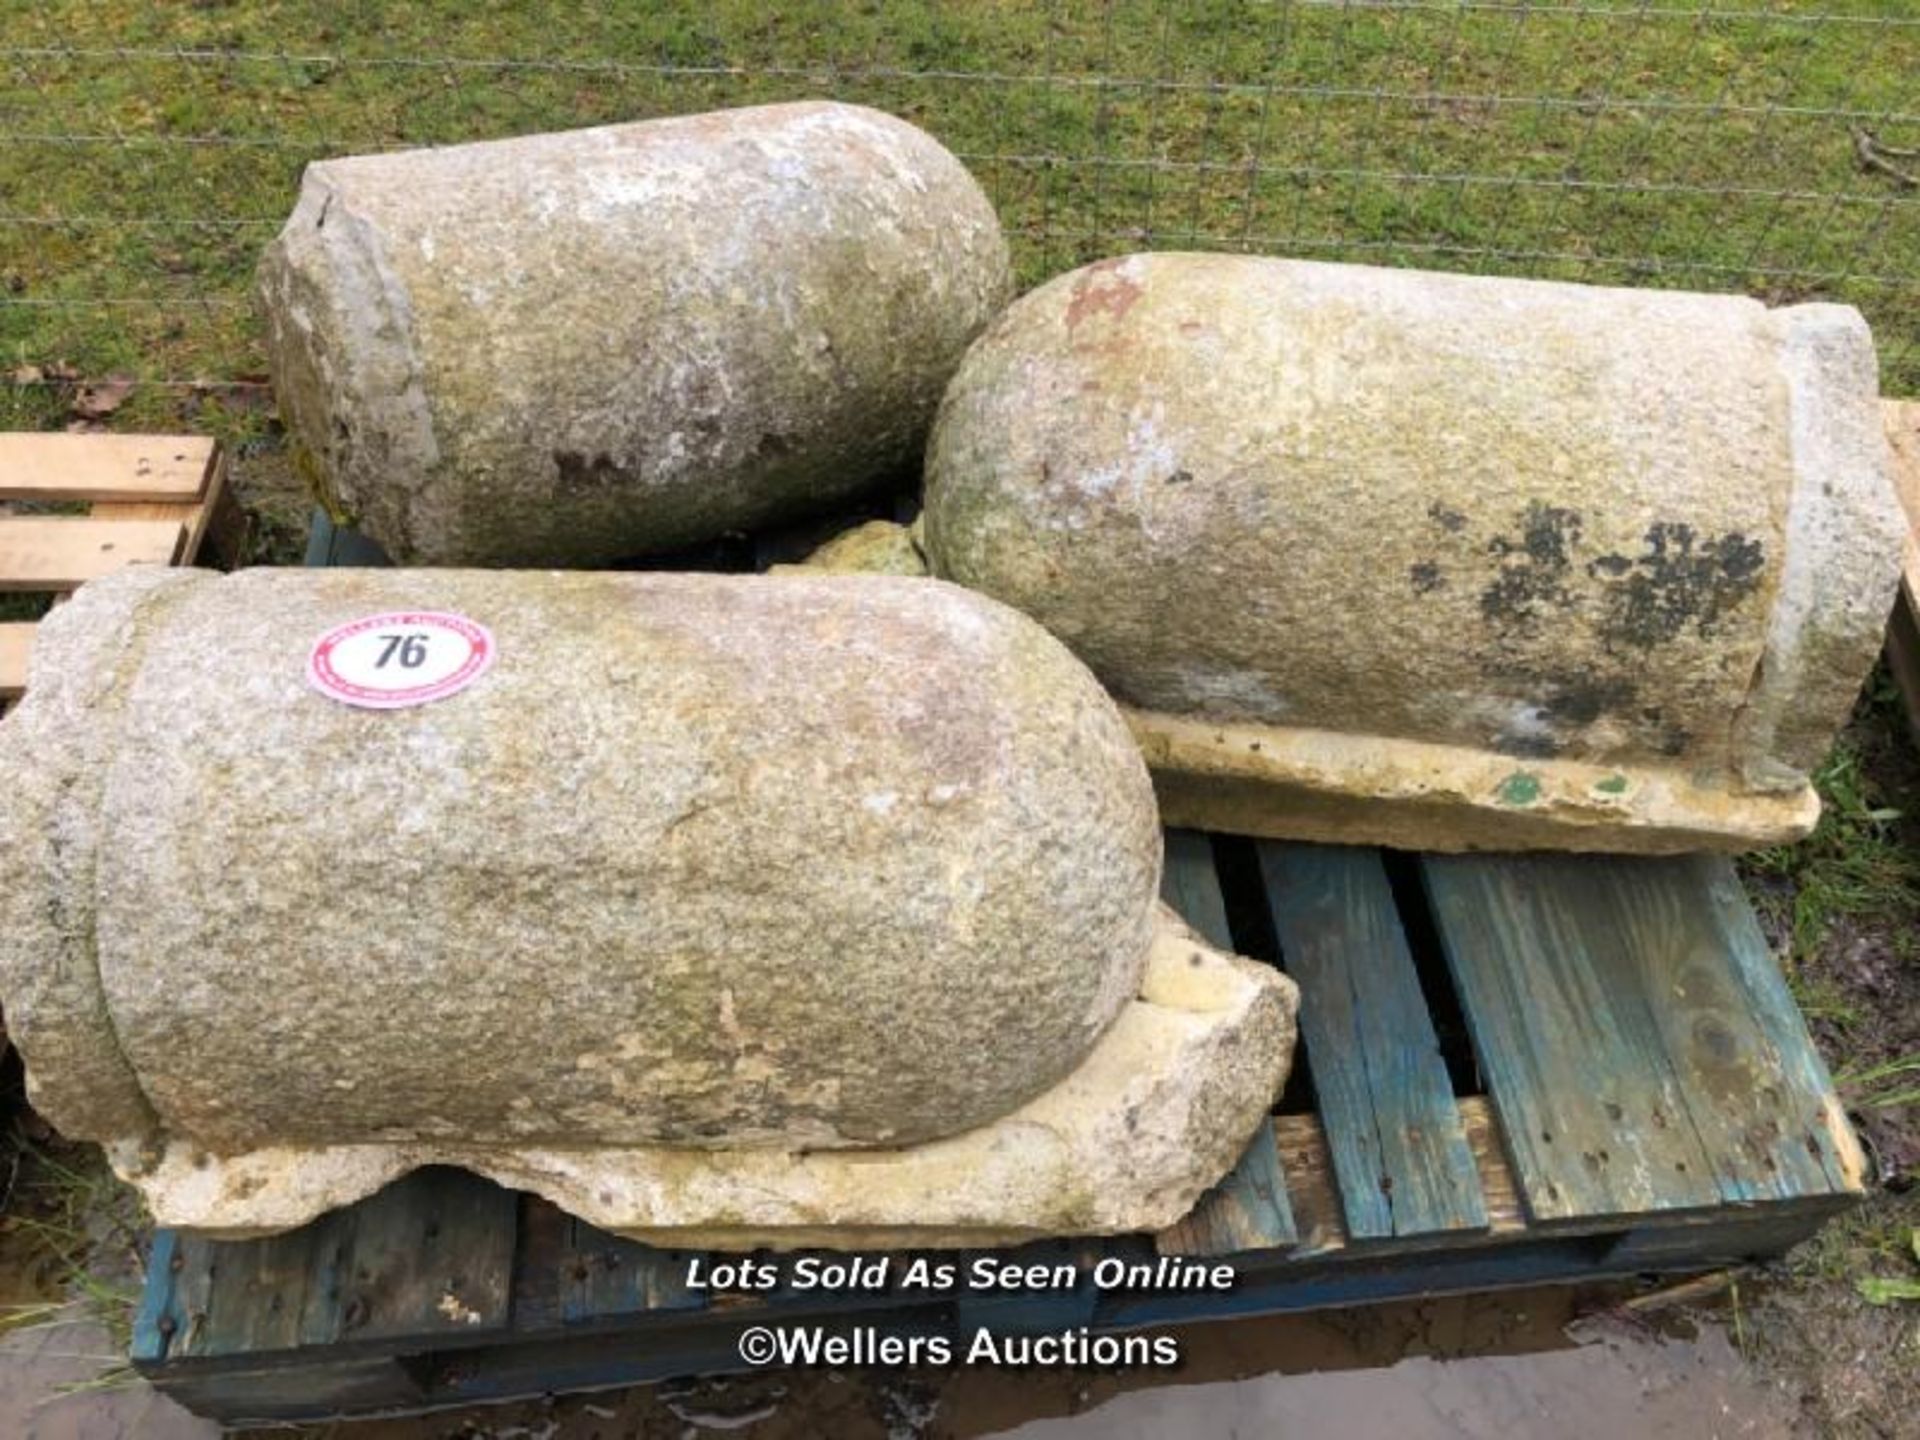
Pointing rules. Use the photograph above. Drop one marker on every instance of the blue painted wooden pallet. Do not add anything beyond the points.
(1514, 1069)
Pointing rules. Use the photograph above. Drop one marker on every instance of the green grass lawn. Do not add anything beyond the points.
(146, 153)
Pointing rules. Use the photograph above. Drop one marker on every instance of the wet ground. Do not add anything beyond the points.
(1528, 1363)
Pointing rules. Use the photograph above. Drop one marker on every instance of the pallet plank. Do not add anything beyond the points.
(1320, 1215)
(427, 1258)
(1730, 1075)
(608, 1276)
(328, 1245)
(319, 1386)
(197, 515)
(1901, 419)
(1399, 1153)
(54, 466)
(1248, 1210)
(1557, 1005)
(1191, 885)
(64, 552)
(16, 644)
(225, 1298)
(333, 546)
(432, 1253)
(1816, 1142)
(165, 1308)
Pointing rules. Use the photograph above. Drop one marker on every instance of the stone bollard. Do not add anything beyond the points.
(1432, 560)
(566, 349)
(724, 911)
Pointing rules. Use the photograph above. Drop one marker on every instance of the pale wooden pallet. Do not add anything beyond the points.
(151, 500)
(1903, 631)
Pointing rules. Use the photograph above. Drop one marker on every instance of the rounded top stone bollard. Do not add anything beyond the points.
(570, 348)
(700, 861)
(1436, 560)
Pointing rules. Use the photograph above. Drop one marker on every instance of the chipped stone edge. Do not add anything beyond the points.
(64, 734)
(1121, 1145)
(383, 365)
(1844, 537)
(1298, 784)
(879, 547)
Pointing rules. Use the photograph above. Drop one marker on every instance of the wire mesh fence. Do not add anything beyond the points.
(146, 155)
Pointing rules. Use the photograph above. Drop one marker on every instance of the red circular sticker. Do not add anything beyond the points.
(402, 658)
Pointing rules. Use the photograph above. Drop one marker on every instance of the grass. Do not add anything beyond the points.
(1860, 864)
(75, 1232)
(1872, 1239)
(1885, 1086)
(146, 153)
(1846, 904)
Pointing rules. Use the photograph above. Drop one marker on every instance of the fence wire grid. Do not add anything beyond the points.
(148, 153)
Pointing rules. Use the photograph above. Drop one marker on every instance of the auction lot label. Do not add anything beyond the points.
(398, 659)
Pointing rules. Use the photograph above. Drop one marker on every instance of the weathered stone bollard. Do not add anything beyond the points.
(565, 349)
(726, 910)
(1432, 560)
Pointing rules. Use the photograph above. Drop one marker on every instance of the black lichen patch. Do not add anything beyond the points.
(1609, 565)
(582, 474)
(1583, 699)
(1565, 703)
(1682, 579)
(1533, 568)
(1448, 519)
(1425, 577)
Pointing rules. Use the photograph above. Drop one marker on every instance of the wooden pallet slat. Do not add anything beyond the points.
(105, 467)
(330, 546)
(427, 1259)
(1816, 1136)
(151, 500)
(1585, 1095)
(1399, 1152)
(199, 518)
(1901, 419)
(1191, 885)
(1552, 969)
(1249, 1209)
(607, 1276)
(63, 552)
(1321, 1211)
(16, 644)
(1732, 1078)
(438, 1242)
(174, 1302)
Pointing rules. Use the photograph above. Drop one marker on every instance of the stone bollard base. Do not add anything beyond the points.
(1285, 783)
(1128, 1142)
